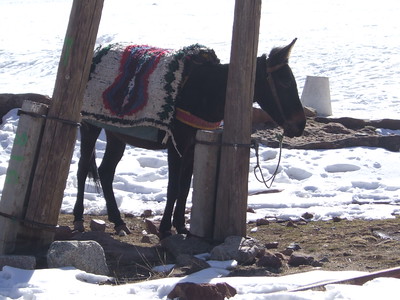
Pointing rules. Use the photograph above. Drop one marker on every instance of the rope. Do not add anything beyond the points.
(255, 145)
(268, 183)
(24, 221)
(36, 115)
(235, 145)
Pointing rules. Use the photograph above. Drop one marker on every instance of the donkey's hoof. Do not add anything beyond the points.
(122, 230)
(78, 226)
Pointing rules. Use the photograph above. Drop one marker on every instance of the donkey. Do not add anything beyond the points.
(203, 95)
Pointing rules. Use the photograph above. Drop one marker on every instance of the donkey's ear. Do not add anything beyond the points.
(279, 55)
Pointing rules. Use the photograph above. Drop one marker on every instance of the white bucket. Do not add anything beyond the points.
(316, 94)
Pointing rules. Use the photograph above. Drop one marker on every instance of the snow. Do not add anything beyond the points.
(354, 43)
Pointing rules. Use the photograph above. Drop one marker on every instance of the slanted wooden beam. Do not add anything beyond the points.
(61, 126)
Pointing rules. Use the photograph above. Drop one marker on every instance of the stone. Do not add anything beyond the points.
(269, 260)
(150, 239)
(287, 252)
(271, 245)
(87, 256)
(294, 246)
(247, 255)
(194, 291)
(151, 227)
(260, 222)
(63, 233)
(97, 225)
(18, 261)
(298, 259)
(147, 213)
(291, 224)
(191, 264)
(244, 250)
(307, 216)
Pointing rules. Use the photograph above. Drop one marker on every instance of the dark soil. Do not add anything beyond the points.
(339, 244)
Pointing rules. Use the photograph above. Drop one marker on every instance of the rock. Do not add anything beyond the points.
(272, 245)
(84, 255)
(18, 261)
(294, 246)
(244, 250)
(260, 222)
(194, 291)
(291, 224)
(150, 239)
(251, 210)
(63, 233)
(247, 255)
(309, 111)
(297, 259)
(129, 216)
(97, 225)
(151, 227)
(147, 213)
(191, 264)
(307, 216)
(269, 260)
(287, 252)
(281, 256)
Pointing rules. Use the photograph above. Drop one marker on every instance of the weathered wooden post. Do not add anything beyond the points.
(232, 192)
(205, 176)
(19, 172)
(60, 130)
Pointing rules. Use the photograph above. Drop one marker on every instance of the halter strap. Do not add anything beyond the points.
(271, 83)
(276, 67)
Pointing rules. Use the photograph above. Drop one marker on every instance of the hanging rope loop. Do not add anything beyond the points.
(257, 169)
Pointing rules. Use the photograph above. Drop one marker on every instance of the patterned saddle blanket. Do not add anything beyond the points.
(133, 86)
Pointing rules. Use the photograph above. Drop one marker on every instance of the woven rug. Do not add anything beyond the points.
(137, 85)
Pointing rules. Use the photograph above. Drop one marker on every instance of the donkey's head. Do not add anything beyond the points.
(276, 91)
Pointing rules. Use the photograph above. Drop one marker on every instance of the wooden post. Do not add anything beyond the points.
(19, 172)
(232, 192)
(205, 175)
(61, 126)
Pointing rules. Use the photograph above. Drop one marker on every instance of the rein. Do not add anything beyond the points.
(268, 183)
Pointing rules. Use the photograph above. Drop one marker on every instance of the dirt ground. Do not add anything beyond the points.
(338, 244)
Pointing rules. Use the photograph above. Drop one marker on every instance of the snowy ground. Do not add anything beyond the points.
(354, 43)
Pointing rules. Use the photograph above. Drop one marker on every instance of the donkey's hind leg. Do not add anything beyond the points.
(114, 151)
(89, 135)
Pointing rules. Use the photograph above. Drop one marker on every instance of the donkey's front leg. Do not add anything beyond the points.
(114, 151)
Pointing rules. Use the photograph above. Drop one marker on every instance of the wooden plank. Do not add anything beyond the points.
(234, 169)
(205, 175)
(20, 169)
(359, 280)
(60, 132)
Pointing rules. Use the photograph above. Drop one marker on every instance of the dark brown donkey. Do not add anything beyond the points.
(203, 95)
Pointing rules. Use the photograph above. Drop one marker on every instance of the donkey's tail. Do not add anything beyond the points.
(93, 172)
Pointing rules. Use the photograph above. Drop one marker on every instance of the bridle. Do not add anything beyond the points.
(271, 83)
(268, 182)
